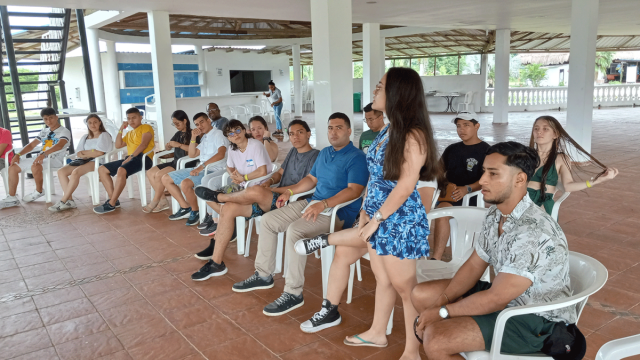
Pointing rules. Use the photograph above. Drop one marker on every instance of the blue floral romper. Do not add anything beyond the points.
(404, 233)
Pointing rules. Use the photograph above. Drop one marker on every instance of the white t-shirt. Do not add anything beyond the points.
(50, 139)
(210, 143)
(274, 95)
(250, 160)
(102, 143)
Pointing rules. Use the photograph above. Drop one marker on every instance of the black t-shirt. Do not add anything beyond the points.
(181, 137)
(463, 163)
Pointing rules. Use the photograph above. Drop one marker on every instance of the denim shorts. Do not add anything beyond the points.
(133, 166)
(257, 210)
(180, 175)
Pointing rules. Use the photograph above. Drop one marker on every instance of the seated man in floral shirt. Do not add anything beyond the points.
(530, 257)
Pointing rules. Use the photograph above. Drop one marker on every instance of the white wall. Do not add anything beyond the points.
(449, 83)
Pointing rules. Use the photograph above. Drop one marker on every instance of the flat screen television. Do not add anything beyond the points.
(243, 81)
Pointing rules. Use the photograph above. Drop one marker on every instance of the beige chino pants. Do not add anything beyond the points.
(289, 219)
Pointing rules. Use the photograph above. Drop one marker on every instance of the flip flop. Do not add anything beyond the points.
(162, 206)
(363, 342)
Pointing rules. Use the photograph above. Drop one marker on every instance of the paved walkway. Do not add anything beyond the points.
(82, 286)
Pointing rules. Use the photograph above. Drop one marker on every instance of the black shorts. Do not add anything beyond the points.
(257, 210)
(131, 167)
(174, 164)
(523, 334)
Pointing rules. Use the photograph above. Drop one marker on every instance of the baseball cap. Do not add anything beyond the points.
(465, 115)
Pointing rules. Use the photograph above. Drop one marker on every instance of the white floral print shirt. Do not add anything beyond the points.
(532, 245)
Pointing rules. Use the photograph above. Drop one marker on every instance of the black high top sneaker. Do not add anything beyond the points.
(327, 317)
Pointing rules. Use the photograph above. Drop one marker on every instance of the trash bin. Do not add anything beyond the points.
(357, 102)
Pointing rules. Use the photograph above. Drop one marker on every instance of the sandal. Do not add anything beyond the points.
(149, 208)
(162, 206)
(362, 342)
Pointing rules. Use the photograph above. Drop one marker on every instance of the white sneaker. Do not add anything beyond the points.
(33, 196)
(9, 201)
(71, 204)
(59, 206)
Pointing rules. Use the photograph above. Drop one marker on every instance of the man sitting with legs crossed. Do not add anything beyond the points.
(256, 200)
(339, 175)
(530, 257)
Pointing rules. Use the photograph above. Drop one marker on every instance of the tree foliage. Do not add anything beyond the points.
(603, 61)
(8, 88)
(534, 73)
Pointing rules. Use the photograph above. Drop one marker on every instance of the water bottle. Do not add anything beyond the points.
(285, 137)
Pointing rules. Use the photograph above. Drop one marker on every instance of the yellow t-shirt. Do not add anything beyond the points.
(133, 139)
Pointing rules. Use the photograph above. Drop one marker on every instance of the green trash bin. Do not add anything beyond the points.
(357, 102)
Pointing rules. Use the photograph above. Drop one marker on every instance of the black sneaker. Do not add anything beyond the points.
(254, 282)
(285, 303)
(327, 317)
(308, 246)
(104, 208)
(207, 253)
(117, 202)
(194, 217)
(207, 221)
(209, 270)
(183, 213)
(207, 194)
(211, 230)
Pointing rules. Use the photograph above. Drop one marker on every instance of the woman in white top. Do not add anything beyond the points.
(96, 143)
(260, 131)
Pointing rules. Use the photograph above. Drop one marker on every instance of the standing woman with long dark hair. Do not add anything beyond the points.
(555, 148)
(393, 220)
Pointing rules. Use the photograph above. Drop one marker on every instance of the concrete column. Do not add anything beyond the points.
(372, 62)
(484, 71)
(584, 30)
(297, 81)
(202, 76)
(501, 95)
(162, 64)
(112, 84)
(332, 63)
(383, 56)
(93, 43)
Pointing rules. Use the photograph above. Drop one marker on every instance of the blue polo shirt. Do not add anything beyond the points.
(337, 169)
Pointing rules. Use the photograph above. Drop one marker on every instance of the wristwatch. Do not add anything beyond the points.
(268, 139)
(444, 313)
(469, 189)
(378, 216)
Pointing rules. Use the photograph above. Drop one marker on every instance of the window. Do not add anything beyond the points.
(423, 66)
(447, 65)
(358, 70)
(291, 73)
(307, 72)
(470, 64)
(388, 64)
(402, 63)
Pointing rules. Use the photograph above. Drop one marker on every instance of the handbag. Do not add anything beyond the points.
(79, 162)
(447, 196)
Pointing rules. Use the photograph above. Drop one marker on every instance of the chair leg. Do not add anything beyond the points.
(202, 205)
(326, 258)
(390, 324)
(175, 206)
(249, 232)
(47, 186)
(130, 188)
(241, 234)
(142, 186)
(279, 253)
(350, 286)
(22, 183)
(359, 270)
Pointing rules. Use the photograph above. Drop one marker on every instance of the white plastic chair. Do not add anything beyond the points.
(243, 238)
(309, 101)
(154, 125)
(202, 205)
(175, 206)
(468, 98)
(228, 112)
(556, 205)
(479, 201)
(587, 275)
(47, 173)
(142, 180)
(240, 111)
(267, 109)
(620, 348)
(280, 247)
(93, 177)
(253, 110)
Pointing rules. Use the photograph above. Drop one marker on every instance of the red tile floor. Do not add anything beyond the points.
(152, 309)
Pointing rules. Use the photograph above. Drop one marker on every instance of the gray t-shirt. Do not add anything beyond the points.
(274, 95)
(297, 165)
(220, 123)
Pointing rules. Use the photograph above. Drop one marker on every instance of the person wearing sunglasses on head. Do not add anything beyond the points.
(375, 122)
(53, 138)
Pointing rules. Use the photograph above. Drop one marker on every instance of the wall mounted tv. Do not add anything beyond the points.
(243, 81)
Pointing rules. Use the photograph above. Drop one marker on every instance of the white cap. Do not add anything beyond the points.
(465, 115)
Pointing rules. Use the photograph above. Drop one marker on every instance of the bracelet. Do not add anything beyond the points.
(291, 191)
(18, 154)
(588, 184)
(273, 182)
(445, 295)
(192, 141)
(324, 202)
(120, 132)
(246, 177)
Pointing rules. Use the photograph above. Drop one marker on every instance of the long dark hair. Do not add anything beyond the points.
(185, 137)
(101, 128)
(407, 111)
(562, 145)
(259, 119)
(233, 124)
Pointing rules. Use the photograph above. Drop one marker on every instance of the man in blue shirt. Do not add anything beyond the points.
(339, 175)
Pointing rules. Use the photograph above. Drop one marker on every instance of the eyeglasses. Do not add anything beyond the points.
(234, 132)
(175, 125)
(366, 119)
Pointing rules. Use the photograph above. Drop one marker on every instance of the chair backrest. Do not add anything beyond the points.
(587, 276)
(556, 205)
(154, 125)
(620, 348)
(466, 225)
(468, 97)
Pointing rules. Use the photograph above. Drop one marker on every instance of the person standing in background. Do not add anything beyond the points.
(275, 98)
(375, 122)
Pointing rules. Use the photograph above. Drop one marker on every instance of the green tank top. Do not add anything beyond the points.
(536, 195)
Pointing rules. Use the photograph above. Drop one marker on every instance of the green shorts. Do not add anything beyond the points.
(523, 334)
(256, 210)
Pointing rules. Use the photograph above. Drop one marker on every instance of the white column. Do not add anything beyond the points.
(93, 43)
(202, 76)
(297, 81)
(112, 84)
(501, 93)
(372, 62)
(584, 30)
(162, 64)
(332, 63)
(484, 71)
(383, 56)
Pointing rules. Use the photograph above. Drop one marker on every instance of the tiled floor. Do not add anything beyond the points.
(152, 310)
